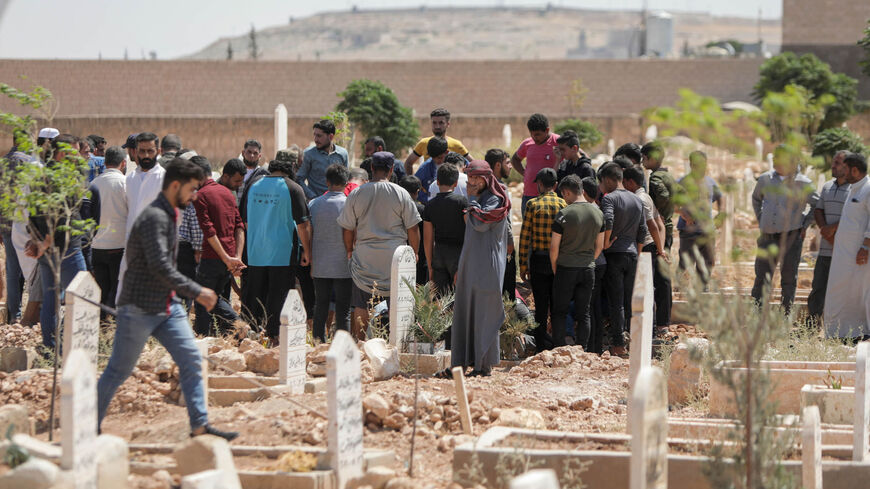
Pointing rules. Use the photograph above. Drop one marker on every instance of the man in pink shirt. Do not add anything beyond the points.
(537, 150)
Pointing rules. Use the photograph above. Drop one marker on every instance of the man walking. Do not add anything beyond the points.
(782, 201)
(478, 308)
(316, 159)
(846, 299)
(577, 240)
(696, 216)
(223, 241)
(148, 305)
(535, 237)
(827, 216)
(377, 218)
(109, 200)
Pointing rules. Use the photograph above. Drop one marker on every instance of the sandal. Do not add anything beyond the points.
(444, 374)
(480, 373)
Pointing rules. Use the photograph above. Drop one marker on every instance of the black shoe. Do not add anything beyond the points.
(211, 430)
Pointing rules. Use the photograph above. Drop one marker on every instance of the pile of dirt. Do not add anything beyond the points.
(20, 336)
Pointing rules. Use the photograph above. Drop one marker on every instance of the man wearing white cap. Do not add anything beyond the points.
(44, 138)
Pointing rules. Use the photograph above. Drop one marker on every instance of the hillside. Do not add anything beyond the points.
(477, 33)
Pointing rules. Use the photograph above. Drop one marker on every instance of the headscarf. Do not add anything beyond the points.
(480, 168)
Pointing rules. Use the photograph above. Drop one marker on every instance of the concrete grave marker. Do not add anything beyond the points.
(811, 448)
(641, 322)
(81, 320)
(462, 400)
(507, 135)
(78, 419)
(292, 340)
(536, 479)
(209, 479)
(861, 448)
(649, 431)
(404, 268)
(344, 403)
(728, 230)
(280, 127)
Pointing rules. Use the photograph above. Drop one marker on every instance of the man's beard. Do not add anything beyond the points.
(251, 164)
(147, 163)
(439, 134)
(178, 201)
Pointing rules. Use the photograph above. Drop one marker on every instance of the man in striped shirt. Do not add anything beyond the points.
(535, 267)
(827, 216)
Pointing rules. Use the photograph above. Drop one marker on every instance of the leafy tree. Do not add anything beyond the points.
(829, 141)
(53, 191)
(701, 118)
(375, 110)
(816, 77)
(588, 133)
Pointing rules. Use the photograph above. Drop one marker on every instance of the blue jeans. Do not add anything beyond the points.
(14, 280)
(69, 267)
(173, 331)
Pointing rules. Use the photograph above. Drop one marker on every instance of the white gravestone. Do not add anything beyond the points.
(209, 479)
(728, 242)
(507, 135)
(280, 127)
(403, 273)
(292, 340)
(344, 404)
(611, 146)
(78, 419)
(536, 479)
(81, 319)
(811, 448)
(759, 149)
(861, 449)
(641, 322)
(649, 431)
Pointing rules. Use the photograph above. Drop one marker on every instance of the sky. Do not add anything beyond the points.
(88, 29)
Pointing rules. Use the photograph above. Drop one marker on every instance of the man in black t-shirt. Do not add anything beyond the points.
(444, 229)
(573, 160)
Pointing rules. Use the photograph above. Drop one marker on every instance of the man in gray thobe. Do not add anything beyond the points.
(478, 309)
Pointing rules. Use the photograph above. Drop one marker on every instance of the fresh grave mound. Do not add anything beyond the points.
(564, 356)
(20, 336)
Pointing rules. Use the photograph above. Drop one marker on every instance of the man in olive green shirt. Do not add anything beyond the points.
(577, 240)
(661, 189)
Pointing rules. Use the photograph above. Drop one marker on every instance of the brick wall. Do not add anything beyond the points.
(823, 22)
(246, 88)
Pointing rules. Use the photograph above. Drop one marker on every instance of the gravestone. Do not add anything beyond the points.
(209, 479)
(403, 273)
(81, 319)
(291, 338)
(280, 127)
(78, 419)
(536, 479)
(641, 322)
(811, 448)
(759, 149)
(611, 146)
(462, 400)
(344, 403)
(507, 135)
(651, 133)
(649, 431)
(728, 230)
(861, 448)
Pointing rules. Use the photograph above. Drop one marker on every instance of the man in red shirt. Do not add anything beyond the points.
(537, 150)
(223, 241)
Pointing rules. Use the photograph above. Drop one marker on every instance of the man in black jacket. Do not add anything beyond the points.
(149, 304)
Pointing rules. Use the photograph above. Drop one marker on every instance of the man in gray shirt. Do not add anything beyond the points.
(316, 159)
(624, 232)
(782, 201)
(329, 267)
(827, 216)
(377, 218)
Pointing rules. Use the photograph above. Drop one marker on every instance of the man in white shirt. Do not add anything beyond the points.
(109, 202)
(846, 307)
(143, 185)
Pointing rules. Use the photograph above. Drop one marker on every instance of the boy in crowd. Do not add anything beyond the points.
(444, 229)
(412, 185)
(537, 150)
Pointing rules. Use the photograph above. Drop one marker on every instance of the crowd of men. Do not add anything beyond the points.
(173, 236)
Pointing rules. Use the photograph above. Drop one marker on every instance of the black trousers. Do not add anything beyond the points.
(541, 278)
(598, 311)
(445, 264)
(509, 284)
(572, 283)
(662, 293)
(323, 290)
(306, 283)
(107, 266)
(789, 257)
(213, 273)
(816, 300)
(264, 294)
(187, 266)
(619, 284)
